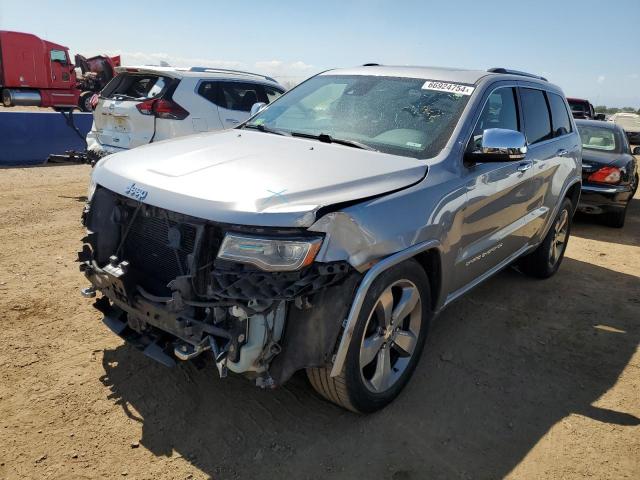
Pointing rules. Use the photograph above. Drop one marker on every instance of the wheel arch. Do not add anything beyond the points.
(573, 193)
(431, 263)
(361, 293)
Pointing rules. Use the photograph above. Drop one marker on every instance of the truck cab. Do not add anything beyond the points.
(583, 109)
(36, 72)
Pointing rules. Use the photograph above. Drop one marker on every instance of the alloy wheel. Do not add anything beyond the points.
(559, 241)
(391, 335)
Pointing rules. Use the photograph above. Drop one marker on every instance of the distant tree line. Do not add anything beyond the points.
(612, 110)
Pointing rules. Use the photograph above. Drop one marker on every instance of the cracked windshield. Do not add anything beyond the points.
(391, 115)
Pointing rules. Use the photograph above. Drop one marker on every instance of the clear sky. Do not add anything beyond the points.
(590, 48)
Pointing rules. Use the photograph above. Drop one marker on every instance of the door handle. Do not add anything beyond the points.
(562, 152)
(524, 166)
(231, 120)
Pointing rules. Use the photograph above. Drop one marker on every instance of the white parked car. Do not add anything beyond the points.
(148, 104)
(630, 123)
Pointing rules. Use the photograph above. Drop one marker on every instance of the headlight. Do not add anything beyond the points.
(270, 254)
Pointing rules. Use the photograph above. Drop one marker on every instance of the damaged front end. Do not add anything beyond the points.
(167, 289)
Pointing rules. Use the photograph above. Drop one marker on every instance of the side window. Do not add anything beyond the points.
(624, 141)
(559, 115)
(239, 96)
(537, 123)
(210, 91)
(59, 56)
(271, 93)
(500, 111)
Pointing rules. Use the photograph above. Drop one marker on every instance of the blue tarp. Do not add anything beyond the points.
(28, 138)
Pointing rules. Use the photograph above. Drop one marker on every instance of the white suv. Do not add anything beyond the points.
(148, 104)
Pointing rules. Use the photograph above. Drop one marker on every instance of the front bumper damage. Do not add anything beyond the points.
(163, 291)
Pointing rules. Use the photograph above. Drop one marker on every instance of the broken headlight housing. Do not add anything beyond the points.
(270, 254)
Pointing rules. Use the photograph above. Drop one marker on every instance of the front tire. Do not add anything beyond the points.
(387, 342)
(545, 260)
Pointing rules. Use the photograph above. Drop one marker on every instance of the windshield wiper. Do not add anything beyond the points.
(262, 128)
(326, 138)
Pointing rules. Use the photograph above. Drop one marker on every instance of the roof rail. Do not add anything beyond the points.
(370, 64)
(515, 72)
(226, 70)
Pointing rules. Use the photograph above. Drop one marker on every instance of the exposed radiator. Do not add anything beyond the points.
(158, 248)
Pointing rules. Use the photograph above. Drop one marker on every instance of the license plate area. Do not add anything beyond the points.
(120, 124)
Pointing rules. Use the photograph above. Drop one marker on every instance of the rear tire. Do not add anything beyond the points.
(386, 345)
(616, 219)
(84, 102)
(545, 260)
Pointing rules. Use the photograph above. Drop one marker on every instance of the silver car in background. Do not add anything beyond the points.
(327, 231)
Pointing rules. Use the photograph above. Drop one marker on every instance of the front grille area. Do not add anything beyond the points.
(158, 249)
(161, 245)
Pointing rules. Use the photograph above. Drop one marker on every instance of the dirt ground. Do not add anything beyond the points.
(521, 378)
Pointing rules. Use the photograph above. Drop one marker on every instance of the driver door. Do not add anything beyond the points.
(60, 70)
(498, 197)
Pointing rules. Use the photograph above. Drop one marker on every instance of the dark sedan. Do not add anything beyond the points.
(609, 171)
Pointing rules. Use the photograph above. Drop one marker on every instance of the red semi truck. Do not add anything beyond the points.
(36, 72)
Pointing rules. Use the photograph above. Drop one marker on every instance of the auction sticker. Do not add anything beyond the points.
(448, 87)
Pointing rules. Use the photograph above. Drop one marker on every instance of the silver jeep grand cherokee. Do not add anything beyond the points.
(327, 231)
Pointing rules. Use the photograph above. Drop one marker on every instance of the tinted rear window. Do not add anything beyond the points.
(238, 96)
(537, 123)
(559, 115)
(138, 87)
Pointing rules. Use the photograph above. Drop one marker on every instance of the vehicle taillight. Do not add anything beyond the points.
(605, 175)
(161, 108)
(169, 110)
(146, 107)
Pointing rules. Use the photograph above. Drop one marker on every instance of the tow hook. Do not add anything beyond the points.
(186, 351)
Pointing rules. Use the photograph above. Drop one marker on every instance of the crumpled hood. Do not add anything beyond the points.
(253, 178)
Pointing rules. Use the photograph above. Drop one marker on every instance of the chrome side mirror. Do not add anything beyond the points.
(499, 145)
(257, 107)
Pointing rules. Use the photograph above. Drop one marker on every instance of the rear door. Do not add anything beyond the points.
(236, 100)
(119, 118)
(553, 147)
(204, 107)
